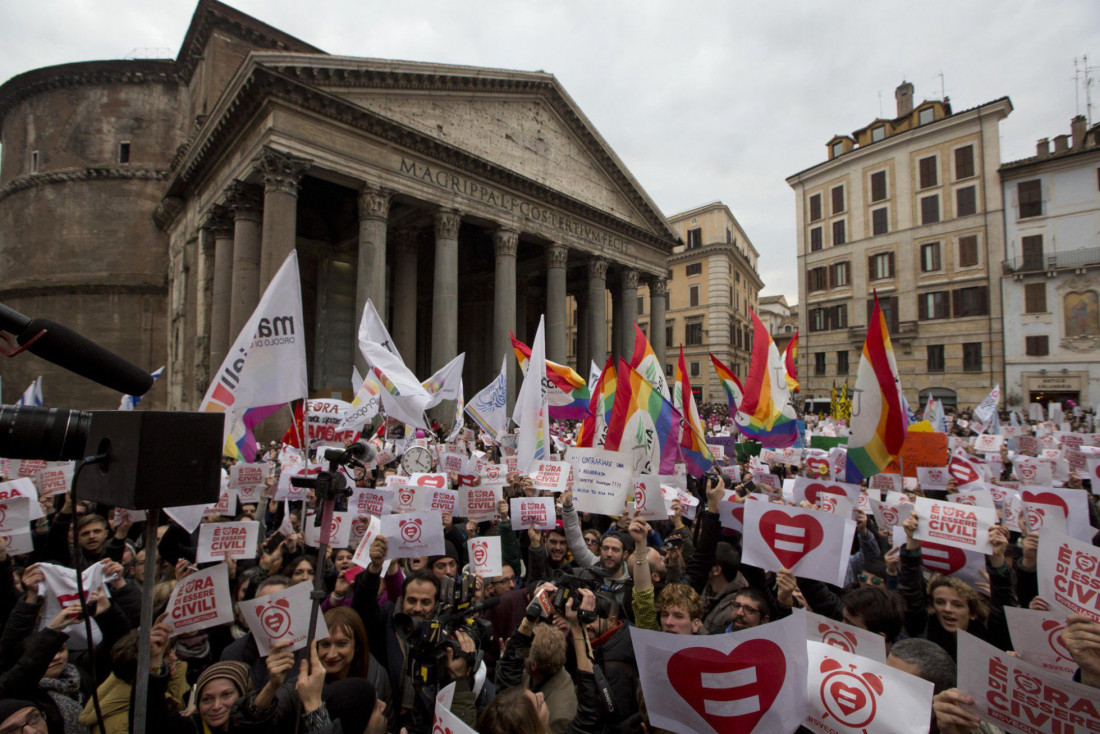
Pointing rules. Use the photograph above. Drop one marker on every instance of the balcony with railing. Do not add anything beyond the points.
(1085, 257)
(901, 332)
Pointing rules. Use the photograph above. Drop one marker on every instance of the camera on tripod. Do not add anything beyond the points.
(332, 484)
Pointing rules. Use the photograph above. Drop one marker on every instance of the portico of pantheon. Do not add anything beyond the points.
(463, 202)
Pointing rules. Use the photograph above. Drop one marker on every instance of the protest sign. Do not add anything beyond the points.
(368, 501)
(1094, 474)
(479, 503)
(396, 480)
(493, 473)
(835, 504)
(1069, 508)
(404, 498)
(809, 543)
(15, 515)
(200, 600)
(976, 495)
(485, 556)
(444, 721)
(337, 533)
(964, 470)
(892, 511)
(854, 693)
(282, 617)
(748, 681)
(285, 490)
(948, 560)
(933, 477)
(1037, 638)
(550, 475)
(452, 462)
(1069, 574)
(25, 488)
(923, 449)
(956, 525)
(413, 534)
(601, 479)
(886, 482)
(55, 478)
(438, 481)
(324, 417)
(811, 490)
(437, 500)
(819, 466)
(988, 443)
(846, 637)
(362, 550)
(1018, 696)
(221, 540)
(764, 478)
(18, 542)
(226, 506)
(248, 480)
(533, 512)
(648, 498)
(732, 514)
(1032, 472)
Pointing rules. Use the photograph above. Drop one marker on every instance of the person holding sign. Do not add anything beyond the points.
(949, 604)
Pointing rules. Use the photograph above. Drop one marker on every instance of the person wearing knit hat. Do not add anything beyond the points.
(446, 564)
(15, 713)
(218, 688)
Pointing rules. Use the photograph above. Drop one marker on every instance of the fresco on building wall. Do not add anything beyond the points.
(1082, 314)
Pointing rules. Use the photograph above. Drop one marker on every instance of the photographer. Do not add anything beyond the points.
(613, 551)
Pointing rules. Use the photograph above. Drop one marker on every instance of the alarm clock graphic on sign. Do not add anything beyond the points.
(417, 460)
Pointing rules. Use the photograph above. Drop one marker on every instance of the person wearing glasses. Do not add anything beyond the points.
(750, 608)
(21, 717)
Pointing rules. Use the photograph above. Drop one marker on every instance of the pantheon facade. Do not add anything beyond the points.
(148, 204)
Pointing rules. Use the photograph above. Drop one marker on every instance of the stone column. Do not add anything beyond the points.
(597, 310)
(370, 280)
(617, 323)
(282, 174)
(245, 203)
(657, 289)
(405, 244)
(628, 311)
(582, 333)
(445, 290)
(556, 348)
(220, 223)
(506, 242)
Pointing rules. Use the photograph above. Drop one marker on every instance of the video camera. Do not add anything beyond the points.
(569, 586)
(429, 639)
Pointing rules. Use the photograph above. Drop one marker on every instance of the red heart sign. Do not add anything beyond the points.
(813, 491)
(733, 691)
(848, 698)
(1046, 498)
(943, 559)
(276, 618)
(432, 480)
(790, 538)
(410, 530)
(1054, 638)
(962, 471)
(481, 554)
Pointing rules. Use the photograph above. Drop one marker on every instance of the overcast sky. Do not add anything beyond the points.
(701, 100)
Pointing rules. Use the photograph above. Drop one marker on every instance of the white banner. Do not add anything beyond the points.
(748, 681)
(853, 693)
(1037, 638)
(809, 543)
(846, 637)
(282, 617)
(539, 513)
(1068, 571)
(201, 600)
(413, 534)
(220, 540)
(601, 479)
(961, 526)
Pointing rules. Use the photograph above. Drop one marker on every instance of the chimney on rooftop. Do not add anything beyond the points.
(1077, 127)
(1061, 143)
(904, 96)
(1042, 147)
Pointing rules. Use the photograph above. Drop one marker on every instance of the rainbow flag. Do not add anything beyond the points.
(735, 391)
(643, 423)
(765, 412)
(568, 394)
(878, 421)
(644, 361)
(593, 429)
(790, 356)
(693, 445)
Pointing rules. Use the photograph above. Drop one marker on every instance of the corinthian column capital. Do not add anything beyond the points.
(282, 171)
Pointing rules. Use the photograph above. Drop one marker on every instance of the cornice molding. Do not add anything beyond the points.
(265, 85)
(72, 175)
(73, 289)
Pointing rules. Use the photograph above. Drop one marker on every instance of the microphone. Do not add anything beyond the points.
(78, 354)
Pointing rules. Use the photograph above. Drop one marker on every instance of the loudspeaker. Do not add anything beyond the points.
(157, 459)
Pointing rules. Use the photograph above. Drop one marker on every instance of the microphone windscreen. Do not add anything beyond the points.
(78, 354)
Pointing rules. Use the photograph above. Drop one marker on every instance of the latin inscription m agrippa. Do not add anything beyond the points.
(456, 183)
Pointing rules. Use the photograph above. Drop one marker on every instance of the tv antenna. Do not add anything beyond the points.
(1082, 77)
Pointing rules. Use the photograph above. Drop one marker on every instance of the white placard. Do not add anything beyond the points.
(811, 490)
(485, 556)
(1069, 508)
(846, 637)
(550, 476)
(18, 543)
(988, 444)
(933, 477)
(534, 512)
(56, 478)
(1037, 637)
(430, 499)
(601, 480)
(15, 515)
(479, 503)
(956, 525)
(413, 534)
(220, 540)
(25, 488)
(648, 499)
(199, 601)
(979, 496)
(370, 501)
(248, 480)
(886, 482)
(282, 617)
(338, 532)
(287, 491)
(850, 693)
(1068, 571)
(362, 551)
(809, 543)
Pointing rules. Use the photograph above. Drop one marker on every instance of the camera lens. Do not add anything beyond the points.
(28, 432)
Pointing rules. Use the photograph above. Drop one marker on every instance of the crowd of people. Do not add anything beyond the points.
(543, 647)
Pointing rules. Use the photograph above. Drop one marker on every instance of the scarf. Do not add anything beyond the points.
(65, 693)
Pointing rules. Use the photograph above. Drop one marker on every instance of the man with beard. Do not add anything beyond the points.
(547, 553)
(610, 565)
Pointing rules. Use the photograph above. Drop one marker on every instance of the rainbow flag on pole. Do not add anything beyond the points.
(790, 358)
(879, 421)
(735, 391)
(693, 445)
(643, 423)
(593, 429)
(765, 412)
(644, 361)
(568, 394)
